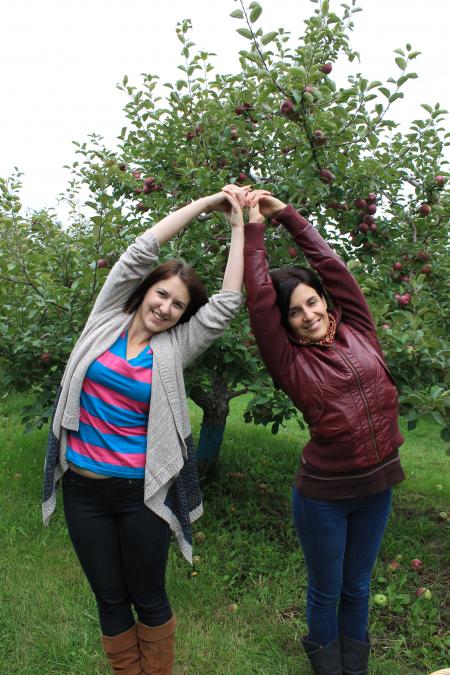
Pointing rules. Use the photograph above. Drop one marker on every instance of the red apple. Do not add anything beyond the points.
(234, 134)
(363, 227)
(287, 108)
(156, 187)
(439, 180)
(426, 269)
(122, 166)
(326, 176)
(423, 256)
(149, 180)
(136, 173)
(319, 137)
(190, 135)
(423, 592)
(239, 110)
(242, 177)
(416, 565)
(371, 198)
(369, 220)
(326, 68)
(142, 207)
(360, 203)
(397, 266)
(371, 209)
(102, 263)
(308, 89)
(292, 251)
(45, 357)
(404, 299)
(373, 227)
(424, 209)
(405, 278)
(394, 565)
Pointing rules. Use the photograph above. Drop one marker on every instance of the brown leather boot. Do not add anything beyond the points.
(123, 652)
(157, 647)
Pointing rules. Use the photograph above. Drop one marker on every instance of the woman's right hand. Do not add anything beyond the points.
(265, 203)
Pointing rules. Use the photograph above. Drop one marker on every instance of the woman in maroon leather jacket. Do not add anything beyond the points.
(329, 362)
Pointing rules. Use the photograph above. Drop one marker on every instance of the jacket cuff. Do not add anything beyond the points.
(254, 236)
(292, 220)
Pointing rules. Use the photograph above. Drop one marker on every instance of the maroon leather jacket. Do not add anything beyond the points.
(345, 391)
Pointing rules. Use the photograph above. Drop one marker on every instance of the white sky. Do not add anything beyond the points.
(61, 59)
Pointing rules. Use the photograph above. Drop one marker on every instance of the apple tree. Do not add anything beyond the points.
(377, 193)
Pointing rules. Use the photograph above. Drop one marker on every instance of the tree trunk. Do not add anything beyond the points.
(215, 406)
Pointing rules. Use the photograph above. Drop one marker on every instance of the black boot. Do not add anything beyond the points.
(324, 660)
(355, 656)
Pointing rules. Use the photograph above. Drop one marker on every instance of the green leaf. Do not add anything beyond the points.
(250, 56)
(255, 13)
(385, 91)
(394, 97)
(375, 83)
(413, 55)
(269, 37)
(245, 32)
(399, 51)
(237, 14)
(427, 107)
(400, 62)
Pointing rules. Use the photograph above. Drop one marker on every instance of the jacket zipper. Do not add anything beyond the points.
(366, 405)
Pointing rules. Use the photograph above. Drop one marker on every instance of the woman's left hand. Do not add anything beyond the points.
(219, 201)
(235, 198)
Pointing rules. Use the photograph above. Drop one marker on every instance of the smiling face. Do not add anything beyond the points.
(163, 305)
(308, 316)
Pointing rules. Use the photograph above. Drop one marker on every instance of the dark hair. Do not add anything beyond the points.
(286, 279)
(197, 292)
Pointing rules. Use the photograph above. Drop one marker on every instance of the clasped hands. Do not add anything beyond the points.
(232, 200)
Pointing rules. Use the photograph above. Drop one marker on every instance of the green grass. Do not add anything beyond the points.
(250, 558)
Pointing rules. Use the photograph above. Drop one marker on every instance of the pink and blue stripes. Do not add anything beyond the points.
(114, 405)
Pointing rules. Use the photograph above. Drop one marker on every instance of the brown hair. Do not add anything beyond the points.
(197, 292)
(286, 279)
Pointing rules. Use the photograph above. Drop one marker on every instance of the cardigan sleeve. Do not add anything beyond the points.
(337, 279)
(126, 275)
(207, 324)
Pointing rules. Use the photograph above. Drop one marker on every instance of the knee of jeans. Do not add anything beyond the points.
(155, 610)
(355, 591)
(321, 599)
(113, 604)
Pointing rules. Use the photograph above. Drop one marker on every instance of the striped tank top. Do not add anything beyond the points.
(114, 406)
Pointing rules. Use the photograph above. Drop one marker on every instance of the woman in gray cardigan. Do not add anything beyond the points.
(120, 437)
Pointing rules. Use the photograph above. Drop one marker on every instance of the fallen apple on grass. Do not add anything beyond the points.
(380, 600)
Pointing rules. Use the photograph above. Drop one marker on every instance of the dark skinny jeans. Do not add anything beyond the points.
(122, 546)
(340, 539)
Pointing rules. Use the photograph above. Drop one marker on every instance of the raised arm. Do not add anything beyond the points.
(271, 337)
(142, 255)
(210, 321)
(337, 279)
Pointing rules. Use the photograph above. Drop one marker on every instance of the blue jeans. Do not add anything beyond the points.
(340, 539)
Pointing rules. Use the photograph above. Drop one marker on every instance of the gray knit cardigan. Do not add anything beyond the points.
(171, 480)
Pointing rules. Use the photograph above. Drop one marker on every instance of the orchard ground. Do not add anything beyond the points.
(241, 608)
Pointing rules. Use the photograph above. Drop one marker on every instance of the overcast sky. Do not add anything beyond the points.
(61, 61)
